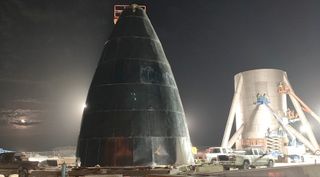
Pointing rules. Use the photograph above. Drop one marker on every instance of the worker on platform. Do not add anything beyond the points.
(262, 99)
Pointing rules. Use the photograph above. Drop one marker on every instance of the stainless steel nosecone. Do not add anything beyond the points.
(134, 114)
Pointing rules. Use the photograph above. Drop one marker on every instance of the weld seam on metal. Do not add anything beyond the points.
(132, 16)
(139, 17)
(128, 58)
(136, 110)
(128, 37)
(133, 137)
(134, 83)
(136, 37)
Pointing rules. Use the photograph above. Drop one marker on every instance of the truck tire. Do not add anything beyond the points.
(226, 168)
(23, 172)
(245, 165)
(270, 164)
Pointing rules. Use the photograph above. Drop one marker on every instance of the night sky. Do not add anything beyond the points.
(49, 51)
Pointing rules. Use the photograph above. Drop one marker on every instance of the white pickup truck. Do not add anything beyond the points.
(247, 158)
(212, 153)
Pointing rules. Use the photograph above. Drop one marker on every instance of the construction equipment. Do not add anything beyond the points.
(118, 9)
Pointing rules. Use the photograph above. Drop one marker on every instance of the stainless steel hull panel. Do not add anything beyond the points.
(257, 119)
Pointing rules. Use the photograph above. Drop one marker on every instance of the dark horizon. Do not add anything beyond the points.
(49, 51)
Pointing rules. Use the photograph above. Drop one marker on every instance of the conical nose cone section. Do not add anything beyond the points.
(134, 115)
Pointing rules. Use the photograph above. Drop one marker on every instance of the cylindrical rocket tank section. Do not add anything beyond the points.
(134, 114)
(258, 121)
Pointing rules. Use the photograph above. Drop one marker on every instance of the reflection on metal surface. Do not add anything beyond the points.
(134, 115)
